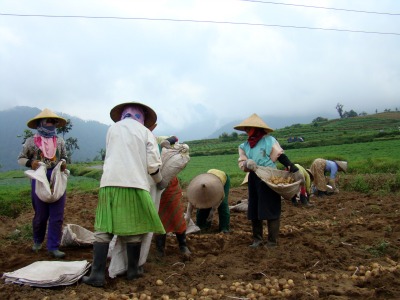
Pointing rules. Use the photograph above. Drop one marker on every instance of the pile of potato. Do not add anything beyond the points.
(280, 180)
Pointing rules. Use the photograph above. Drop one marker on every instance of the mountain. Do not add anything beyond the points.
(90, 135)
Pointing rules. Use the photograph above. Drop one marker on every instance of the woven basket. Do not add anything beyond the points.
(287, 191)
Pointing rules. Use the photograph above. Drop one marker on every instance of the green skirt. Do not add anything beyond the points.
(126, 211)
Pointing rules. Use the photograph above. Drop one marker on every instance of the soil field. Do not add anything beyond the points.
(344, 247)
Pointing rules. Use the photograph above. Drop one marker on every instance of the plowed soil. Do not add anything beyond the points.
(344, 247)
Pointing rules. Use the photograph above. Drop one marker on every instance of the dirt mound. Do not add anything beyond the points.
(344, 247)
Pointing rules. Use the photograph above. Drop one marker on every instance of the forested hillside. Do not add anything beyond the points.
(322, 132)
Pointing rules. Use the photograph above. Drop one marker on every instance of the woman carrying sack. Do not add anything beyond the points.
(47, 148)
(262, 149)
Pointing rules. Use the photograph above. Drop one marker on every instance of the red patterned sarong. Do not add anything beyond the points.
(171, 210)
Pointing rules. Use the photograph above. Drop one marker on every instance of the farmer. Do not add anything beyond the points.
(171, 210)
(203, 219)
(125, 207)
(305, 189)
(206, 191)
(47, 148)
(264, 204)
(321, 167)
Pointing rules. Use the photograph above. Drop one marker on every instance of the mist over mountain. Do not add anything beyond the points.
(91, 135)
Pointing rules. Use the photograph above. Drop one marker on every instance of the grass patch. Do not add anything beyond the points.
(379, 249)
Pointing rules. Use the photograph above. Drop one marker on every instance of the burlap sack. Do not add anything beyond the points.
(287, 191)
(75, 235)
(174, 160)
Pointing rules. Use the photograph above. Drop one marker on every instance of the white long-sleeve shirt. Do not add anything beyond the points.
(131, 155)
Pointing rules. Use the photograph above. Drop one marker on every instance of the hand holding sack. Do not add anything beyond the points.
(299, 176)
(165, 144)
(250, 165)
(63, 165)
(35, 164)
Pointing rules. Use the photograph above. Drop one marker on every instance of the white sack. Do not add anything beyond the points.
(49, 191)
(75, 235)
(174, 160)
(48, 273)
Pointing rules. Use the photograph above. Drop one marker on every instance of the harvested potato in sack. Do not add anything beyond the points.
(174, 160)
(280, 181)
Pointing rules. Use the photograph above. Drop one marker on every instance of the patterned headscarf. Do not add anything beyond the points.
(135, 112)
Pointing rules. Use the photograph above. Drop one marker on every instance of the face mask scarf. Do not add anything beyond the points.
(134, 112)
(255, 134)
(46, 139)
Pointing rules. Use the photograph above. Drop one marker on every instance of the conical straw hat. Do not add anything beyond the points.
(46, 113)
(342, 165)
(150, 117)
(205, 191)
(253, 121)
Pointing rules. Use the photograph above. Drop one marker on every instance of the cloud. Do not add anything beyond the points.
(199, 76)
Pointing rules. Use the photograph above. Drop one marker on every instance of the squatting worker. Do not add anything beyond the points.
(203, 215)
(264, 204)
(320, 167)
(125, 207)
(46, 147)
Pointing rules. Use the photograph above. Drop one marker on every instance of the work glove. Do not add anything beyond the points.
(162, 184)
(250, 165)
(157, 177)
(165, 144)
(35, 164)
(299, 176)
(63, 165)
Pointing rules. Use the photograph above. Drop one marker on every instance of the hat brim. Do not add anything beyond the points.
(342, 165)
(150, 116)
(205, 191)
(243, 128)
(44, 114)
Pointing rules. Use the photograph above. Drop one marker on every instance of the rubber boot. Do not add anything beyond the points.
(133, 251)
(181, 237)
(160, 244)
(304, 201)
(97, 274)
(294, 200)
(273, 232)
(321, 194)
(257, 227)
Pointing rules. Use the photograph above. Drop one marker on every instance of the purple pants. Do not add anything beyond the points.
(53, 213)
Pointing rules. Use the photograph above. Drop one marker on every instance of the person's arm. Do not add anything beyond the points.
(284, 160)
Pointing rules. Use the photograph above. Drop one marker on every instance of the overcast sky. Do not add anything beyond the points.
(218, 61)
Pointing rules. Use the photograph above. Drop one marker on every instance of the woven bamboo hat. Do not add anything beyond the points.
(150, 117)
(46, 114)
(205, 191)
(342, 165)
(253, 121)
